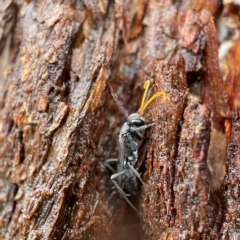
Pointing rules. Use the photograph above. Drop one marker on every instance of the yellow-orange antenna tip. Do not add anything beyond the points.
(142, 109)
(146, 87)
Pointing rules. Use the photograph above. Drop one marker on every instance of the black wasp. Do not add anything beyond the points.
(131, 132)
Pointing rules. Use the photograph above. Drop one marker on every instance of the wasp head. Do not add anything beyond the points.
(136, 120)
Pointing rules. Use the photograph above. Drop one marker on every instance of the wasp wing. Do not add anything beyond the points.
(121, 153)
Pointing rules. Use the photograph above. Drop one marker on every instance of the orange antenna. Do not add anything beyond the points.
(146, 87)
(144, 106)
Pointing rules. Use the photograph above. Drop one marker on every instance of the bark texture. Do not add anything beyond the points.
(65, 64)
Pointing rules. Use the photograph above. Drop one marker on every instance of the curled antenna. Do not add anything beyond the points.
(143, 104)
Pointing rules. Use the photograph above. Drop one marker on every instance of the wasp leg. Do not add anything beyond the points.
(121, 192)
(136, 173)
(143, 127)
(109, 161)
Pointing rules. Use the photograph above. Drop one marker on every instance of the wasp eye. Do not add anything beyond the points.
(137, 122)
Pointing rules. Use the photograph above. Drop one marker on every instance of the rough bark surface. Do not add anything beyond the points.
(59, 122)
(158, 194)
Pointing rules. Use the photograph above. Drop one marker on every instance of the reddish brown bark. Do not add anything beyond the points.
(59, 123)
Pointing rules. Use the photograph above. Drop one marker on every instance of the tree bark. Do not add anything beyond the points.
(65, 64)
